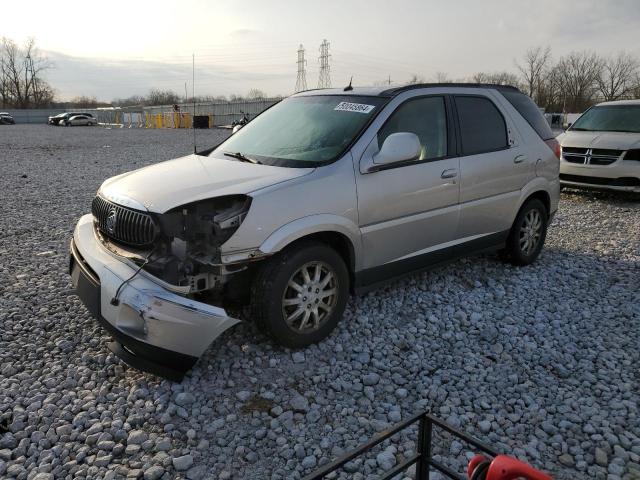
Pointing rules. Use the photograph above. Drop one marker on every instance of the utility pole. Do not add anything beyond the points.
(301, 80)
(324, 79)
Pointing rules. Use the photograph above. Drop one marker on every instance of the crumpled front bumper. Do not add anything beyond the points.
(155, 330)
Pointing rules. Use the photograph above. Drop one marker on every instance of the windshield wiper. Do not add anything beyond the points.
(578, 129)
(242, 157)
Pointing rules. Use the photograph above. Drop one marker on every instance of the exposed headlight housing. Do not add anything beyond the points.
(212, 221)
(188, 249)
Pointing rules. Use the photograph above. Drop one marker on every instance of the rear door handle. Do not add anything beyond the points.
(449, 173)
(519, 159)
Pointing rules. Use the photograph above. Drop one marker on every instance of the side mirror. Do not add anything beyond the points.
(398, 147)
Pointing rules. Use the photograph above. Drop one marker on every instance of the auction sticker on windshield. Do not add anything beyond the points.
(354, 107)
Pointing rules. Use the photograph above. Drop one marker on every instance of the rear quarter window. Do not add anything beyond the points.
(482, 126)
(530, 112)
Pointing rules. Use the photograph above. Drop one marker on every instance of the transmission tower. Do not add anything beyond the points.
(324, 80)
(301, 81)
(30, 73)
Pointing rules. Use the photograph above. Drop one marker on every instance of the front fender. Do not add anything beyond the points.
(311, 224)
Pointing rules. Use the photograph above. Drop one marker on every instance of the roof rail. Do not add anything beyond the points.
(397, 90)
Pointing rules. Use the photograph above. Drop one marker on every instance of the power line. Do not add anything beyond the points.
(301, 81)
(324, 79)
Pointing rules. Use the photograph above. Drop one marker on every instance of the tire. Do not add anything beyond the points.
(273, 297)
(528, 233)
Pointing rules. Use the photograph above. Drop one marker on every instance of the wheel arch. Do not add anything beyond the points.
(541, 189)
(337, 241)
(338, 232)
(541, 195)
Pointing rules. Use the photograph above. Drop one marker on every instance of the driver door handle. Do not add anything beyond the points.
(519, 159)
(449, 173)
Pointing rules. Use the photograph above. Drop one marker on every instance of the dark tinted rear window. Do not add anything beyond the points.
(525, 106)
(482, 126)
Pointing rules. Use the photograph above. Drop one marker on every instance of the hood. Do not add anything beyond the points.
(169, 184)
(611, 140)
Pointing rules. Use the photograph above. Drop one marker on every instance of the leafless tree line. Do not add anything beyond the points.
(169, 97)
(578, 79)
(21, 82)
(571, 84)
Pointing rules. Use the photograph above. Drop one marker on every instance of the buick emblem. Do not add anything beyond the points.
(112, 219)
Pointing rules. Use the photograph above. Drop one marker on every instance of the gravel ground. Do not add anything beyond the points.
(540, 362)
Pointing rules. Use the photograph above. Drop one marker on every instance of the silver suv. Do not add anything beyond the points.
(327, 193)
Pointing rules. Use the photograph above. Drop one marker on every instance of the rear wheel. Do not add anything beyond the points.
(528, 233)
(299, 295)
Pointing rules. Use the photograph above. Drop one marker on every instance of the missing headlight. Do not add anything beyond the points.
(193, 235)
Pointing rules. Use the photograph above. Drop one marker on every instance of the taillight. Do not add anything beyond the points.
(554, 145)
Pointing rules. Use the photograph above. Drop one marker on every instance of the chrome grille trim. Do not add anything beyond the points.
(591, 156)
(131, 227)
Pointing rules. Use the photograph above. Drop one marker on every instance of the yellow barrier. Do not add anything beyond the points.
(172, 120)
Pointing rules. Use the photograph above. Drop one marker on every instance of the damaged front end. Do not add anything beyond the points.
(182, 246)
(151, 279)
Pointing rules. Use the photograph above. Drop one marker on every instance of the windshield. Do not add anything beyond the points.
(610, 118)
(304, 131)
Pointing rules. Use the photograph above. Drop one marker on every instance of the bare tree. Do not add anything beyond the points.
(21, 69)
(255, 93)
(162, 97)
(415, 79)
(577, 76)
(497, 78)
(549, 93)
(635, 89)
(618, 76)
(442, 77)
(533, 69)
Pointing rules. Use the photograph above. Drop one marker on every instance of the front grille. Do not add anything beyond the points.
(591, 156)
(123, 224)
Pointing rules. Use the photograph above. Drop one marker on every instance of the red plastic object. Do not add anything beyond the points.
(502, 467)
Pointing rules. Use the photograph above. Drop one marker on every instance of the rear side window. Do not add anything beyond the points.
(482, 126)
(528, 109)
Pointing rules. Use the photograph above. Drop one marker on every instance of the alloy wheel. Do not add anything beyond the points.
(530, 232)
(310, 297)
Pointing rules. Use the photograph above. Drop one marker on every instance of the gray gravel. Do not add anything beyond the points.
(541, 362)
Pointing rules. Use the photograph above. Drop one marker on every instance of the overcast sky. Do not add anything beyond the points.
(120, 48)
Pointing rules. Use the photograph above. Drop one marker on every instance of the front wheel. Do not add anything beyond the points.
(528, 233)
(299, 295)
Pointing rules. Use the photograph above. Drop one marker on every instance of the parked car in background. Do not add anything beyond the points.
(63, 118)
(602, 148)
(327, 192)
(6, 119)
(83, 119)
(54, 119)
